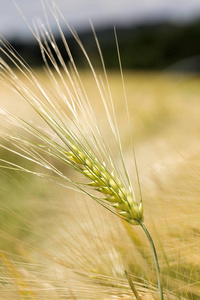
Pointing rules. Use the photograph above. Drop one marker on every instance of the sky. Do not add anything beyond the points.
(100, 12)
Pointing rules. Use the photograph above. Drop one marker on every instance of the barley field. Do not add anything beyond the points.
(60, 244)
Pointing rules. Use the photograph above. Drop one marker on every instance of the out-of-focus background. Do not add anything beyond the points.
(153, 35)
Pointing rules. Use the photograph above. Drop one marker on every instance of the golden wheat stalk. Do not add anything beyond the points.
(86, 153)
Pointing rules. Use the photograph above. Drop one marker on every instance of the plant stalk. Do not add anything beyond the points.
(137, 296)
(155, 261)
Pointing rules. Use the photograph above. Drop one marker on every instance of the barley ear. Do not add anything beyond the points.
(115, 194)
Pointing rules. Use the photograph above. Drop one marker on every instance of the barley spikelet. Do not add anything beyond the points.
(117, 196)
(108, 184)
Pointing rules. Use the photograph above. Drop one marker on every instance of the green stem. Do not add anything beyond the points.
(155, 260)
(137, 296)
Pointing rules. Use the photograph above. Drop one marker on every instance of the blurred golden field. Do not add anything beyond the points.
(57, 244)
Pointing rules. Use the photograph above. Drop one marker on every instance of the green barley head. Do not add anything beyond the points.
(72, 147)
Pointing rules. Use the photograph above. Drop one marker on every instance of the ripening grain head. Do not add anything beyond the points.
(79, 144)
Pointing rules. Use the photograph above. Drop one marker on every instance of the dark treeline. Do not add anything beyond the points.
(145, 47)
